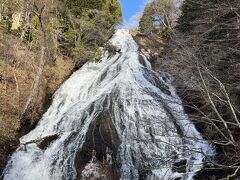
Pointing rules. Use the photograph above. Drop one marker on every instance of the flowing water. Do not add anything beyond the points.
(120, 105)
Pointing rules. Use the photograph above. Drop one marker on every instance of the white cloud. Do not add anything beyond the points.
(134, 20)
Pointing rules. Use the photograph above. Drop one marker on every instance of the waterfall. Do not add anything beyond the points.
(121, 109)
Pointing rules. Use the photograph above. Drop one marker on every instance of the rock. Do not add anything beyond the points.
(180, 166)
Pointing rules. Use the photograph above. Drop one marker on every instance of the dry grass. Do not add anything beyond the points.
(18, 67)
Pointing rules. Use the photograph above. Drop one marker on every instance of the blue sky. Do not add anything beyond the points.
(132, 11)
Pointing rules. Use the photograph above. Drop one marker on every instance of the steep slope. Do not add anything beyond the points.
(41, 44)
(117, 108)
(202, 54)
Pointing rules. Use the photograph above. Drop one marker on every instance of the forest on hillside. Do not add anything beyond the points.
(41, 44)
(201, 42)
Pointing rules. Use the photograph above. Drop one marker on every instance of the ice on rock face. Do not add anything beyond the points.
(116, 103)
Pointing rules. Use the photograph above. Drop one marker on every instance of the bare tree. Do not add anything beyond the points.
(39, 12)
